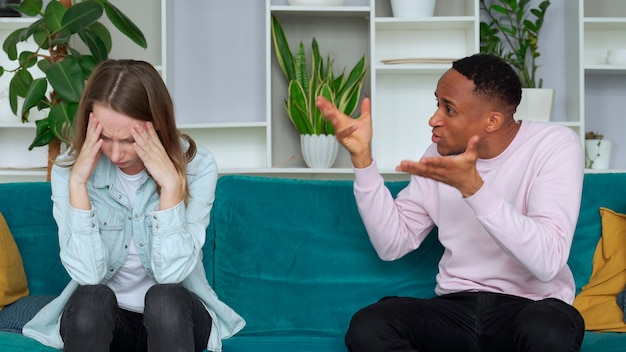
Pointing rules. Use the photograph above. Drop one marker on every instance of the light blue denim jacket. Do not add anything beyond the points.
(94, 243)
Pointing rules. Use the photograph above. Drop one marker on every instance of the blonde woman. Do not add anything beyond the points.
(132, 197)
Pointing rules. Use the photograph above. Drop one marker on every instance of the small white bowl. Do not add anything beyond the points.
(616, 59)
(616, 52)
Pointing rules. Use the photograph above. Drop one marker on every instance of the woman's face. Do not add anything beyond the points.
(117, 139)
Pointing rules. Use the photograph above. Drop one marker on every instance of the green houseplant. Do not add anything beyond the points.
(512, 33)
(61, 23)
(307, 81)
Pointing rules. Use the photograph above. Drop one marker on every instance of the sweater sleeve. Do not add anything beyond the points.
(394, 226)
(538, 236)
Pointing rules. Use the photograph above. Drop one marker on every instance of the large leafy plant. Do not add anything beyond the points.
(512, 32)
(54, 34)
(308, 81)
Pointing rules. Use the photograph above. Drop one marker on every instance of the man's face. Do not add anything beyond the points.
(459, 114)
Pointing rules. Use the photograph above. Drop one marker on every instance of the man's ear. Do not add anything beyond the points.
(495, 120)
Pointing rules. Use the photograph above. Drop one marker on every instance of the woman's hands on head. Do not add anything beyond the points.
(85, 164)
(158, 163)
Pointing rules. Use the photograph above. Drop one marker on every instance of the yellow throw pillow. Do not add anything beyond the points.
(597, 301)
(13, 284)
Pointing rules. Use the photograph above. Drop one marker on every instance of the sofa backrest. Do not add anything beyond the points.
(293, 254)
(599, 190)
(27, 208)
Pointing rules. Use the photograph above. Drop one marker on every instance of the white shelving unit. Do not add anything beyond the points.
(402, 95)
(218, 61)
(594, 27)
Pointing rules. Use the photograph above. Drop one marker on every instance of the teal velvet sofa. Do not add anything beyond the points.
(292, 257)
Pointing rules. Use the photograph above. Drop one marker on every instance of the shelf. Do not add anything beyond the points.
(412, 69)
(218, 125)
(431, 23)
(13, 23)
(606, 69)
(17, 125)
(604, 23)
(326, 11)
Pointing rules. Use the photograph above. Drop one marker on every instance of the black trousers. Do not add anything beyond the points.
(174, 319)
(468, 321)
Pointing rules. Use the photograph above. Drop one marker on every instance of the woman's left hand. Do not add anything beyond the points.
(158, 163)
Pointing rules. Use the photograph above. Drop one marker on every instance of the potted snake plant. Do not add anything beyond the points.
(308, 80)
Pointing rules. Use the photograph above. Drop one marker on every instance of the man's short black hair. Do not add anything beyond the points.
(493, 77)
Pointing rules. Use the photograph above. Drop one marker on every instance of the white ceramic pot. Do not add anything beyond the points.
(316, 2)
(536, 104)
(413, 8)
(319, 151)
(597, 153)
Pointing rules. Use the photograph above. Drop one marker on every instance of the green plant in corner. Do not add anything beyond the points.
(59, 25)
(304, 87)
(512, 32)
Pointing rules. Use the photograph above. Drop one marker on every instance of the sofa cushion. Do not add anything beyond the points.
(597, 301)
(13, 283)
(17, 314)
(294, 254)
(14, 342)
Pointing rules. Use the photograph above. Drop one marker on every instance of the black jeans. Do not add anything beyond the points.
(468, 321)
(174, 319)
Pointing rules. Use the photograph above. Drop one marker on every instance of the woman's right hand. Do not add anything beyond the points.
(85, 164)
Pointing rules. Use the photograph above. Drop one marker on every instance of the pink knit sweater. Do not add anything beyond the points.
(513, 236)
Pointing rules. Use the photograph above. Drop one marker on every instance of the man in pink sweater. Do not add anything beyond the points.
(505, 196)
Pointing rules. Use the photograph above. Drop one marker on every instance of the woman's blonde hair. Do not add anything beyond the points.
(133, 88)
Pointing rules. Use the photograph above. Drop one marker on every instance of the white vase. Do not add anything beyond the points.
(319, 151)
(597, 153)
(536, 104)
(316, 2)
(413, 8)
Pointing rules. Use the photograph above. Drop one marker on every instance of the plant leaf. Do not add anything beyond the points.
(12, 98)
(66, 79)
(96, 46)
(43, 134)
(297, 108)
(36, 92)
(284, 55)
(103, 33)
(10, 44)
(30, 30)
(53, 16)
(41, 38)
(30, 7)
(21, 82)
(124, 24)
(27, 59)
(61, 118)
(81, 15)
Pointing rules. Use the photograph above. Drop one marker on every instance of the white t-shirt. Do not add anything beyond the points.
(130, 283)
